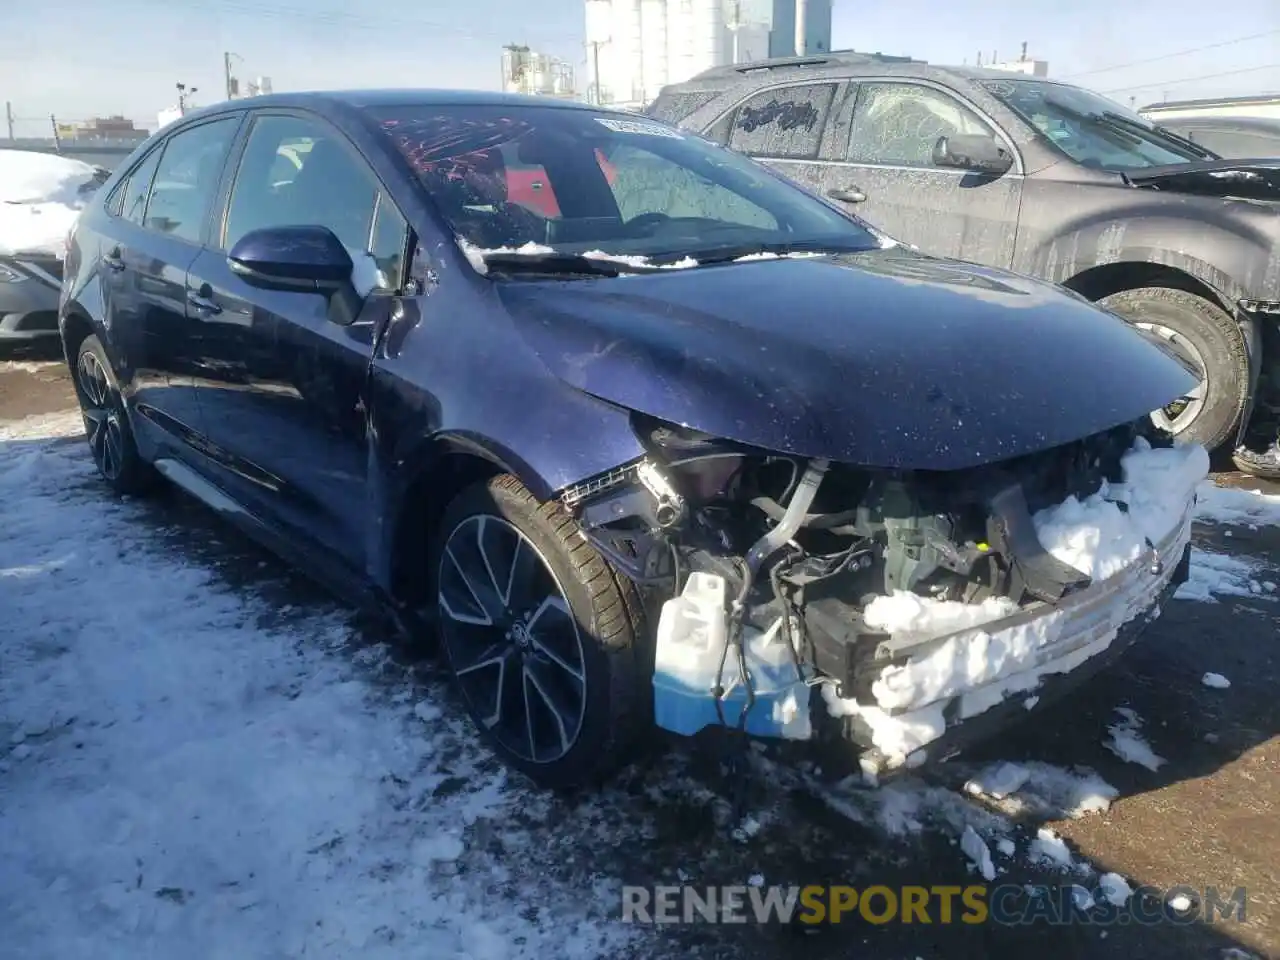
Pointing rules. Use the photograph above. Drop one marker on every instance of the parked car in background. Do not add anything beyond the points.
(1044, 178)
(40, 197)
(645, 457)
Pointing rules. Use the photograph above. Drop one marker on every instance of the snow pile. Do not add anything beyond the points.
(40, 197)
(1125, 740)
(983, 666)
(1042, 790)
(975, 848)
(1216, 575)
(1115, 889)
(185, 763)
(1215, 681)
(1098, 537)
(1235, 505)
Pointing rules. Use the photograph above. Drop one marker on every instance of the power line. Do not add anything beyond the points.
(1207, 76)
(1170, 56)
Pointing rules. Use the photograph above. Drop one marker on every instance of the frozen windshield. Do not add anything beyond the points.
(1089, 128)
(574, 182)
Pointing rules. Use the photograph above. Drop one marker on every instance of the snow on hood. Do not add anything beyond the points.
(41, 196)
(1094, 535)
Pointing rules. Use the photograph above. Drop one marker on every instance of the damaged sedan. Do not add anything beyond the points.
(639, 431)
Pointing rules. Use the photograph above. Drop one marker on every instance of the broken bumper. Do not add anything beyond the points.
(1095, 625)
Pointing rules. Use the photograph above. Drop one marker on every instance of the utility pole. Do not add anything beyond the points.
(8, 117)
(233, 85)
(57, 141)
(595, 46)
(735, 25)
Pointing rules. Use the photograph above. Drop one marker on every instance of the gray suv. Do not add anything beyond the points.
(1044, 178)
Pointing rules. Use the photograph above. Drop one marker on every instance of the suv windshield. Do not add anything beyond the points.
(1090, 129)
(571, 182)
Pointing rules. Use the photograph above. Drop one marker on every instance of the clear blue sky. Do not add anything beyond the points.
(80, 58)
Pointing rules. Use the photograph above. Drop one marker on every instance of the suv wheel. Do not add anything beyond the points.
(1204, 335)
(539, 634)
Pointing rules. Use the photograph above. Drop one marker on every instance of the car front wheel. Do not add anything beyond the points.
(1207, 339)
(539, 634)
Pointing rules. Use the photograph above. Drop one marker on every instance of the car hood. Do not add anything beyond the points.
(885, 358)
(1248, 179)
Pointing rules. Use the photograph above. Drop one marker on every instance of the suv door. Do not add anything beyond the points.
(285, 409)
(785, 127)
(888, 177)
(158, 217)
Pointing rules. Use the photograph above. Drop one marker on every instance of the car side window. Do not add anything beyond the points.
(784, 123)
(899, 124)
(300, 172)
(187, 178)
(131, 200)
(643, 182)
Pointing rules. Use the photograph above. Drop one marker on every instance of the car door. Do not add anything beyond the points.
(783, 126)
(885, 173)
(284, 400)
(158, 218)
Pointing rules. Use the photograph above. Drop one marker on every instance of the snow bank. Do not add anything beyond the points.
(40, 197)
(184, 763)
(1236, 505)
(1095, 535)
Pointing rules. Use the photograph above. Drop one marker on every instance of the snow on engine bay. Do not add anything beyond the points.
(1094, 535)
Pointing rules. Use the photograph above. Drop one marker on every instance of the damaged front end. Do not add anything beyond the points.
(798, 598)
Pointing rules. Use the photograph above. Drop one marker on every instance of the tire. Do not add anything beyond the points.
(106, 422)
(592, 628)
(1211, 333)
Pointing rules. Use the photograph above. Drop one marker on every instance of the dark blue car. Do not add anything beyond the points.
(637, 428)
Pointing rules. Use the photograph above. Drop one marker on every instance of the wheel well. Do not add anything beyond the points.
(1102, 281)
(75, 327)
(424, 504)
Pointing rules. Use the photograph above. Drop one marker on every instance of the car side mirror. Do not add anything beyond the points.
(966, 151)
(302, 258)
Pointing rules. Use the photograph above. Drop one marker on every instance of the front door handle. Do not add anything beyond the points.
(202, 303)
(847, 194)
(114, 260)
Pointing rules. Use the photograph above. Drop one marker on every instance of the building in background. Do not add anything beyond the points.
(114, 128)
(636, 47)
(1024, 64)
(535, 74)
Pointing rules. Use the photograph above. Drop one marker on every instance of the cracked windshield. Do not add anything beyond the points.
(639, 480)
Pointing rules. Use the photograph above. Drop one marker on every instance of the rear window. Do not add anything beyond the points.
(578, 181)
(674, 107)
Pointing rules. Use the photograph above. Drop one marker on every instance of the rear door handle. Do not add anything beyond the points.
(202, 303)
(114, 260)
(847, 194)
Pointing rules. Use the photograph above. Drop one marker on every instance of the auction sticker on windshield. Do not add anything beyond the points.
(643, 129)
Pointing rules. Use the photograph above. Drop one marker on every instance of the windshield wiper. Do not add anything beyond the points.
(562, 263)
(1157, 131)
(739, 250)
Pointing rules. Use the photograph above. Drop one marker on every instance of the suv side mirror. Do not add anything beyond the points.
(967, 151)
(302, 258)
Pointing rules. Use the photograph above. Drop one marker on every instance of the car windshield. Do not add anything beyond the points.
(557, 183)
(1089, 128)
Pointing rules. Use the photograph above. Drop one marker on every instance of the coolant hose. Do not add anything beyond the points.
(791, 520)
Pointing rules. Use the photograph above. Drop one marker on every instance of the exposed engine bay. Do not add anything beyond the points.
(734, 547)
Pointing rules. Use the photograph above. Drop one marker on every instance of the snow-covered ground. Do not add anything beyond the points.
(188, 768)
(40, 197)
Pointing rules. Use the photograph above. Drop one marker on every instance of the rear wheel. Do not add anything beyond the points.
(1210, 341)
(106, 425)
(539, 634)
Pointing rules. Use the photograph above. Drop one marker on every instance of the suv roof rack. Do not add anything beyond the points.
(829, 59)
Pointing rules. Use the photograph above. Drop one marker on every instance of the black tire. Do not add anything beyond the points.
(1216, 337)
(106, 422)
(1256, 466)
(605, 620)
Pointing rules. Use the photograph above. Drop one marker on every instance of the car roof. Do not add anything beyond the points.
(405, 97)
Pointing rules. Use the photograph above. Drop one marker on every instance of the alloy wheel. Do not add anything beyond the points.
(512, 639)
(102, 423)
(1177, 416)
